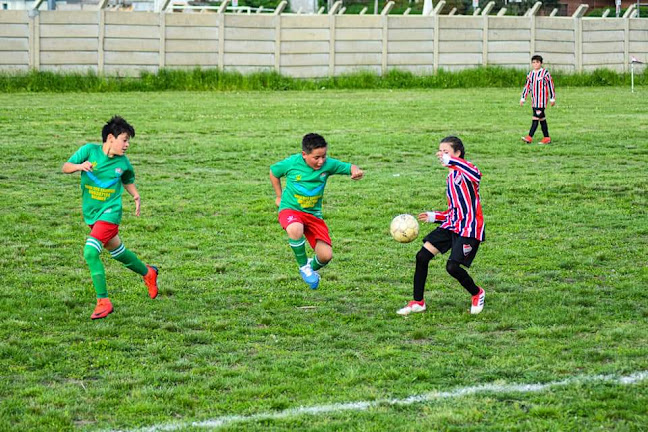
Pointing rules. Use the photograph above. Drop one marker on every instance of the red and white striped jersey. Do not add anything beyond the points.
(540, 84)
(464, 215)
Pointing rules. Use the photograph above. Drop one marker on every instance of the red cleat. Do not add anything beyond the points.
(103, 309)
(477, 302)
(527, 139)
(545, 140)
(150, 280)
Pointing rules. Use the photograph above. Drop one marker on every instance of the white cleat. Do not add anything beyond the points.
(412, 307)
(477, 302)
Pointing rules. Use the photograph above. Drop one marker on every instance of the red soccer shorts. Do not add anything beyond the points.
(104, 231)
(314, 227)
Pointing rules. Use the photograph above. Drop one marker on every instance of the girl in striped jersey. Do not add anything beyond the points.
(539, 84)
(461, 230)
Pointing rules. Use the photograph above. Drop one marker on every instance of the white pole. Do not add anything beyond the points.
(632, 77)
(427, 7)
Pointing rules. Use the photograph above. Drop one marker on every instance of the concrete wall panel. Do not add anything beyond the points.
(192, 33)
(305, 60)
(346, 46)
(299, 47)
(14, 57)
(132, 45)
(130, 42)
(411, 34)
(191, 59)
(191, 46)
(14, 44)
(410, 47)
(69, 44)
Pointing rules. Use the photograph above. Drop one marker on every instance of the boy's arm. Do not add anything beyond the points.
(463, 166)
(338, 167)
(131, 189)
(356, 173)
(552, 90)
(526, 89)
(276, 185)
(69, 167)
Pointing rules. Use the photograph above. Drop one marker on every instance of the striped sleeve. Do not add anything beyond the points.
(550, 84)
(440, 216)
(466, 168)
(527, 86)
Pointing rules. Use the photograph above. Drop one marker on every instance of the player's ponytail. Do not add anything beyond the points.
(456, 144)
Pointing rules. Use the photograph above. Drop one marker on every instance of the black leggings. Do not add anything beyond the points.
(423, 258)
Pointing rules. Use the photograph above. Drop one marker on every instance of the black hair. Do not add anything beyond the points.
(456, 144)
(115, 127)
(537, 57)
(313, 141)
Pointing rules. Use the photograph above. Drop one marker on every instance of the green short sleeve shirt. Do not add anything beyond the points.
(304, 189)
(101, 189)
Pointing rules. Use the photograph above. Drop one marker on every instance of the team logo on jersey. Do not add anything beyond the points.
(118, 171)
(323, 175)
(298, 178)
(467, 249)
(94, 164)
(457, 180)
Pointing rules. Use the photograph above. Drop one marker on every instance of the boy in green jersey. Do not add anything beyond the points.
(105, 172)
(300, 203)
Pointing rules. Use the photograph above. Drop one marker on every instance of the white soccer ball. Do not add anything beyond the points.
(404, 228)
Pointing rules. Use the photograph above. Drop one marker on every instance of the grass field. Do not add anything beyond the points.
(235, 332)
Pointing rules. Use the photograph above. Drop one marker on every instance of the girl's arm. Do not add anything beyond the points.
(463, 166)
(433, 216)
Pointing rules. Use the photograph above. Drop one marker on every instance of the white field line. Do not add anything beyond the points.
(363, 406)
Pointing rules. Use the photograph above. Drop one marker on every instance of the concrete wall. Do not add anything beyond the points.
(125, 43)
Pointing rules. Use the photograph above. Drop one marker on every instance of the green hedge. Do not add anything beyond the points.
(214, 80)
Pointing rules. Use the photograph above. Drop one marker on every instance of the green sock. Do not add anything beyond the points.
(316, 264)
(91, 253)
(299, 248)
(129, 259)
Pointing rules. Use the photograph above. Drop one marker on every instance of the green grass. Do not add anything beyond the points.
(236, 332)
(215, 80)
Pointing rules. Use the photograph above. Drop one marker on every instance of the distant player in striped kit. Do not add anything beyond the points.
(540, 85)
(461, 230)
(105, 173)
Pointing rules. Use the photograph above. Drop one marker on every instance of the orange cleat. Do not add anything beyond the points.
(150, 280)
(545, 140)
(103, 309)
(527, 139)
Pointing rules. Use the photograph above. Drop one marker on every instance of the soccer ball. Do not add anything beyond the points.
(404, 228)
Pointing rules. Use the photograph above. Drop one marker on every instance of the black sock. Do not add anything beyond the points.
(534, 126)
(545, 128)
(423, 258)
(462, 276)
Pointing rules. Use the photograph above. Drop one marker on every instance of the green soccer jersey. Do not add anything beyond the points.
(305, 186)
(101, 188)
